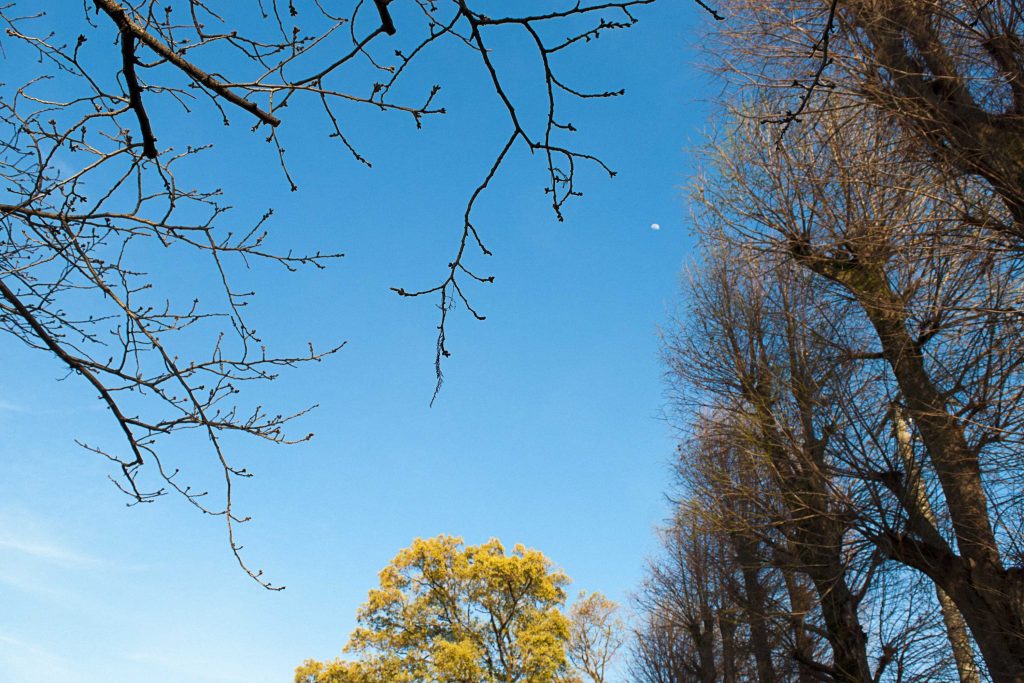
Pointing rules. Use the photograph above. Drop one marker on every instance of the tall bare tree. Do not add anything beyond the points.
(751, 348)
(934, 315)
(685, 601)
(855, 349)
(948, 72)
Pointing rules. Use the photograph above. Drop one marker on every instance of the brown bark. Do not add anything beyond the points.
(702, 632)
(920, 77)
(755, 605)
(800, 604)
(956, 629)
(959, 640)
(990, 598)
(816, 535)
(727, 629)
(845, 635)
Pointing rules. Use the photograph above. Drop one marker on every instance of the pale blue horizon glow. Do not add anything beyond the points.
(547, 432)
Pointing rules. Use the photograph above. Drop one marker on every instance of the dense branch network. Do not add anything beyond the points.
(848, 369)
(94, 160)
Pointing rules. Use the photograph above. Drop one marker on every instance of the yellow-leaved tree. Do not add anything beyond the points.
(446, 612)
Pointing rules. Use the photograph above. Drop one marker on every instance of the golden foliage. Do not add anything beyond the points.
(450, 613)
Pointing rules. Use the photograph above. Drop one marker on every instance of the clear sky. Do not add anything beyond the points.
(547, 431)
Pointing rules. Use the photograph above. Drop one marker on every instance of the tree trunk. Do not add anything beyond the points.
(755, 604)
(727, 629)
(816, 534)
(703, 633)
(990, 598)
(848, 640)
(800, 603)
(956, 629)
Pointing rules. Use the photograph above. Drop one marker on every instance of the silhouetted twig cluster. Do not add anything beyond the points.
(96, 145)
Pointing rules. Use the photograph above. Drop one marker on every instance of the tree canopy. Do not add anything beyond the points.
(446, 612)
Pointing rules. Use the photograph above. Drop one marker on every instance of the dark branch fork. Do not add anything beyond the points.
(126, 26)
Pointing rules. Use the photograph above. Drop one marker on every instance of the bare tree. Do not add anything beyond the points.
(918, 502)
(855, 346)
(683, 600)
(775, 603)
(798, 512)
(750, 343)
(596, 634)
(660, 651)
(882, 230)
(948, 72)
(101, 143)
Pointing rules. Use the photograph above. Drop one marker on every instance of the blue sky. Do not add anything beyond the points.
(547, 431)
